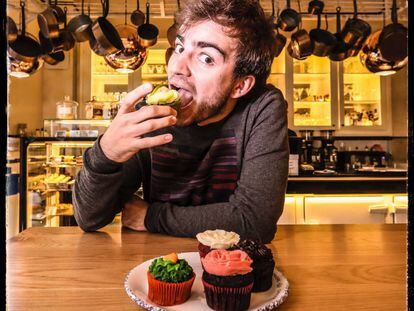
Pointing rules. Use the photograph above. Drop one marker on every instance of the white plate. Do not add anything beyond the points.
(136, 286)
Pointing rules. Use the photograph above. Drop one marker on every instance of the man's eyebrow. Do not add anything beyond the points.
(181, 38)
(203, 44)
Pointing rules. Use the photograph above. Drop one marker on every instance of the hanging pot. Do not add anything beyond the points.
(45, 43)
(301, 44)
(373, 60)
(21, 69)
(393, 40)
(289, 19)
(81, 26)
(11, 30)
(323, 40)
(133, 55)
(355, 32)
(25, 48)
(172, 31)
(105, 39)
(147, 32)
(137, 17)
(48, 22)
(340, 51)
(54, 58)
(280, 40)
(315, 7)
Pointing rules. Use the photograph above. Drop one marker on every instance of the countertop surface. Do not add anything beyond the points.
(329, 267)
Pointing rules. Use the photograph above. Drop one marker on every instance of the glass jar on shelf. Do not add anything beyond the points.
(67, 109)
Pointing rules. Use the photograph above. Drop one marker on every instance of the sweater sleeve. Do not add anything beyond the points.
(257, 202)
(102, 187)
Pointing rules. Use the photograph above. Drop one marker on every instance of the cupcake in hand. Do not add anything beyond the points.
(263, 264)
(227, 280)
(170, 280)
(216, 239)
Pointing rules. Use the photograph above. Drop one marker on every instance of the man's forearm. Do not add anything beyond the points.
(101, 188)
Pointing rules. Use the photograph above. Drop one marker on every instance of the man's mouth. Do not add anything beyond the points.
(186, 96)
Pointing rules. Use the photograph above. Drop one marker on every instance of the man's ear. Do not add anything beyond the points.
(242, 86)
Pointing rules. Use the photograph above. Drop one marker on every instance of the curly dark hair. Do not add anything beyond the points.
(243, 20)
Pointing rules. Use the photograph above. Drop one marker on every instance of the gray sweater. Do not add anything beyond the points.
(229, 175)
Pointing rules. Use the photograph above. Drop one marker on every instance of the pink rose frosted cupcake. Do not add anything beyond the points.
(227, 280)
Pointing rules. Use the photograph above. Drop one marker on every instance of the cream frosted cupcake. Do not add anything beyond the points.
(216, 239)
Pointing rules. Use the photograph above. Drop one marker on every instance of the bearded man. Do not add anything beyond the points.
(221, 161)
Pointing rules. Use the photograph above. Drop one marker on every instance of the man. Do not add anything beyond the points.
(222, 161)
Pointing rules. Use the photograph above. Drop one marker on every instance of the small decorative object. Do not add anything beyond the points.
(67, 109)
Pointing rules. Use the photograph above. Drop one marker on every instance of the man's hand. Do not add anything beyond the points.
(123, 139)
(133, 214)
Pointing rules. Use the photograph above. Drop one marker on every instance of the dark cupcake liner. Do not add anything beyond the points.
(263, 276)
(227, 298)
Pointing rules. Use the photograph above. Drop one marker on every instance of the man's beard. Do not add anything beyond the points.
(210, 107)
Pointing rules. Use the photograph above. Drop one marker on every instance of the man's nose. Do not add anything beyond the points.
(178, 64)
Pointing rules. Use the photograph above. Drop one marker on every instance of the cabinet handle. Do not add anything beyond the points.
(378, 209)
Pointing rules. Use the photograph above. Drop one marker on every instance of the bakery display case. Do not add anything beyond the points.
(75, 128)
(50, 166)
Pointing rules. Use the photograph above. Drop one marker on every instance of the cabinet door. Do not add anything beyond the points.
(363, 99)
(311, 91)
(346, 210)
(289, 212)
(401, 207)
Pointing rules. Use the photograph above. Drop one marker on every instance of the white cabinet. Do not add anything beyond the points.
(347, 209)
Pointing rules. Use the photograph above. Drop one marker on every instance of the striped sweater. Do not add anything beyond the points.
(229, 175)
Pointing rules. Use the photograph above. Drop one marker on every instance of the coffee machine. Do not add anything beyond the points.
(328, 152)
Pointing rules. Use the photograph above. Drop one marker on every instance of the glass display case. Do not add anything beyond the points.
(361, 95)
(312, 95)
(49, 168)
(75, 128)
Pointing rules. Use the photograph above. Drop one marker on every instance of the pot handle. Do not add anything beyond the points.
(178, 5)
(22, 5)
(65, 9)
(148, 11)
(355, 9)
(83, 4)
(318, 21)
(288, 4)
(338, 19)
(300, 20)
(326, 22)
(394, 17)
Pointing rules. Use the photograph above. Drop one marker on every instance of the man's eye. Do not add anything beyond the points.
(178, 48)
(206, 59)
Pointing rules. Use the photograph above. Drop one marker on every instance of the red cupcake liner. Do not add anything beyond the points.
(228, 298)
(168, 294)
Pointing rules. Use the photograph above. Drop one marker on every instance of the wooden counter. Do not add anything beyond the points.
(329, 267)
